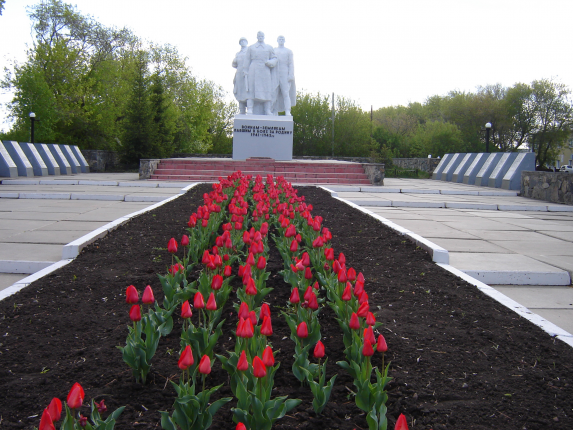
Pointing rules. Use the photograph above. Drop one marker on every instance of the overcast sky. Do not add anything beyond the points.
(376, 52)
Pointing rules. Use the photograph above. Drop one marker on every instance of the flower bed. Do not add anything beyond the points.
(459, 360)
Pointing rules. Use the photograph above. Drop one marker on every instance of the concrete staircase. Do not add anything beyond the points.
(299, 171)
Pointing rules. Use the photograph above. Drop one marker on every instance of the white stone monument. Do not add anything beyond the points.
(263, 86)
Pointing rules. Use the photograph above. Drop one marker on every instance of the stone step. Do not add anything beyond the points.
(313, 180)
(267, 167)
(299, 175)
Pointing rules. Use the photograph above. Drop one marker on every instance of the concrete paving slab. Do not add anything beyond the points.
(23, 225)
(8, 279)
(478, 206)
(54, 216)
(503, 268)
(433, 229)
(6, 234)
(58, 196)
(483, 224)
(45, 237)
(29, 252)
(108, 197)
(540, 297)
(371, 202)
(559, 317)
(565, 235)
(73, 226)
(23, 266)
(107, 214)
(499, 214)
(530, 236)
(472, 246)
(395, 213)
(547, 247)
(522, 207)
(419, 204)
(564, 262)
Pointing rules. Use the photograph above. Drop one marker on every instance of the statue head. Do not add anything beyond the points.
(281, 40)
(243, 41)
(261, 36)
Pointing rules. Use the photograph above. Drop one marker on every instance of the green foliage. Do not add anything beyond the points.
(95, 422)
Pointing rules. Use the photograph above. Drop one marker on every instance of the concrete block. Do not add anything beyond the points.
(40, 168)
(474, 168)
(140, 184)
(21, 266)
(532, 208)
(559, 208)
(437, 174)
(9, 195)
(72, 249)
(172, 184)
(503, 165)
(7, 166)
(138, 198)
(59, 182)
(418, 191)
(345, 189)
(19, 158)
(105, 197)
(49, 160)
(99, 183)
(458, 175)
(55, 196)
(65, 168)
(490, 163)
(379, 190)
(525, 161)
(84, 165)
(20, 182)
(459, 192)
(451, 167)
(418, 204)
(478, 206)
(498, 193)
(73, 162)
(328, 190)
(376, 203)
(439, 254)
(516, 277)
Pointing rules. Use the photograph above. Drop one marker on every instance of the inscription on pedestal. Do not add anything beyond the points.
(262, 136)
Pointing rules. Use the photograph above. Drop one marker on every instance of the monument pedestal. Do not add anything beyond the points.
(263, 136)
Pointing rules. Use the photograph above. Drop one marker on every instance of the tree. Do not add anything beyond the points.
(164, 117)
(352, 130)
(2, 5)
(313, 130)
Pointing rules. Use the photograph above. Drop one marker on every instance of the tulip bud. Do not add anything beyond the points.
(240, 426)
(251, 259)
(46, 422)
(101, 407)
(253, 318)
(358, 288)
(83, 421)
(204, 223)
(307, 273)
(342, 276)
(402, 423)
(205, 365)
(360, 277)
(265, 311)
(198, 301)
(135, 313)
(381, 344)
(147, 297)
(217, 282)
(363, 298)
(186, 310)
(227, 272)
(186, 358)
(131, 295)
(185, 240)
(259, 369)
(363, 310)
(172, 246)
(354, 323)
(369, 335)
(262, 263)
(211, 303)
(243, 364)
(294, 296)
(307, 293)
(75, 396)
(248, 329)
(336, 266)
(302, 330)
(294, 246)
(268, 357)
(370, 319)
(367, 350)
(251, 288)
(266, 326)
(298, 238)
(319, 350)
(244, 311)
(341, 258)
(329, 254)
(351, 274)
(347, 294)
(55, 409)
(246, 237)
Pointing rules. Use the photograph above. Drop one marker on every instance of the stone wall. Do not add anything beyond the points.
(552, 187)
(147, 167)
(375, 172)
(101, 161)
(423, 164)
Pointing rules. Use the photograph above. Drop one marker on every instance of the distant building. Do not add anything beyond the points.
(566, 155)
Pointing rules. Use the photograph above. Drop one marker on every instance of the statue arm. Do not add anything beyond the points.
(290, 67)
(234, 64)
(247, 61)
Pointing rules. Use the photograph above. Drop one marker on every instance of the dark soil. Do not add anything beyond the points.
(459, 359)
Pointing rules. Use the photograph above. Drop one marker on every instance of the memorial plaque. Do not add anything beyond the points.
(263, 136)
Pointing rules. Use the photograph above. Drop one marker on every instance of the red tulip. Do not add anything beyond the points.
(185, 240)
(264, 228)
(312, 301)
(319, 350)
(101, 407)
(135, 313)
(363, 298)
(367, 350)
(318, 242)
(83, 421)
(290, 231)
(46, 422)
(294, 246)
(268, 357)
(248, 329)
(307, 293)
(192, 221)
(246, 237)
(205, 365)
(227, 272)
(75, 396)
(240, 426)
(358, 288)
(211, 303)
(131, 295)
(315, 285)
(342, 276)
(205, 258)
(307, 273)
(55, 409)
(266, 326)
(240, 327)
(172, 246)
(305, 259)
(363, 310)
(360, 277)
(186, 310)
(354, 323)
(251, 259)
(302, 330)
(186, 359)
(198, 301)
(253, 318)
(243, 364)
(370, 319)
(402, 423)
(251, 288)
(262, 263)
(244, 311)
(369, 335)
(294, 297)
(217, 281)
(147, 297)
(329, 254)
(265, 311)
(347, 294)
(259, 369)
(351, 274)
(298, 238)
(381, 345)
(336, 266)
(341, 258)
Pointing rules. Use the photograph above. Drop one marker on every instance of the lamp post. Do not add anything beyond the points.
(487, 130)
(32, 120)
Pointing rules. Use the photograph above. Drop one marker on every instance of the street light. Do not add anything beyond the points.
(487, 130)
(32, 120)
